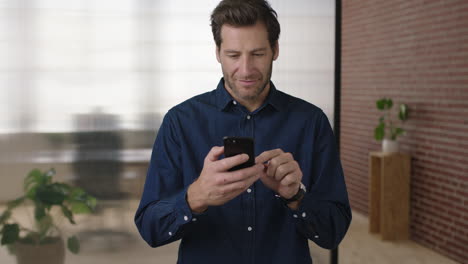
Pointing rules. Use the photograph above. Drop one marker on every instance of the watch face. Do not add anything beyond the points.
(300, 193)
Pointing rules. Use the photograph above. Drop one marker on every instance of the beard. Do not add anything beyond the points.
(255, 92)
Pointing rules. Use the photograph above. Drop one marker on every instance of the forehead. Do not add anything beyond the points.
(244, 37)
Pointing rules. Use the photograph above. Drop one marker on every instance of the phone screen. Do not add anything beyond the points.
(238, 145)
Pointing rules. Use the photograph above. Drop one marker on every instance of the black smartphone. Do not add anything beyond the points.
(238, 145)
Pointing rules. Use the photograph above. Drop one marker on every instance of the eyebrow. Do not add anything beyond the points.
(252, 51)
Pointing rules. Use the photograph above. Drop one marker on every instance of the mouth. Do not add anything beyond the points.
(247, 82)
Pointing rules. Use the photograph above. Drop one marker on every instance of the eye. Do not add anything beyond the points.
(258, 54)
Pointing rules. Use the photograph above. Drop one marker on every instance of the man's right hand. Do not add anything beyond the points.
(216, 185)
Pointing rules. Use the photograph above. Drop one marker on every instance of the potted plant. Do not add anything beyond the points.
(42, 240)
(388, 130)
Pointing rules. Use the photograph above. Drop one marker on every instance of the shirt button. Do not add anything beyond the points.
(316, 236)
(248, 117)
(234, 102)
(295, 215)
(194, 219)
(303, 214)
(249, 228)
(249, 190)
(170, 233)
(186, 218)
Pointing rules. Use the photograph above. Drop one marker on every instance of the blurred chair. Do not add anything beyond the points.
(98, 169)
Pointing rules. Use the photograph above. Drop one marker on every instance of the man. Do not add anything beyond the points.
(262, 214)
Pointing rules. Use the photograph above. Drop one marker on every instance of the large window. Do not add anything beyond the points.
(133, 58)
(82, 77)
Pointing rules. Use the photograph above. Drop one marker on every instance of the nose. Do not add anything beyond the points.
(246, 66)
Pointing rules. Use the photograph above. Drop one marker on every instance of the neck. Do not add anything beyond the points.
(251, 104)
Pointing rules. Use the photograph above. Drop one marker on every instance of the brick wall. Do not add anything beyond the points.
(415, 52)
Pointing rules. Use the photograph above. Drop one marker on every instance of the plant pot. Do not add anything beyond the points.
(50, 253)
(389, 146)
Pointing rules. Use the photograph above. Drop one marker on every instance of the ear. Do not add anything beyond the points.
(217, 54)
(276, 50)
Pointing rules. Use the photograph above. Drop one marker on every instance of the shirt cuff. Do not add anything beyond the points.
(184, 214)
(303, 218)
(299, 213)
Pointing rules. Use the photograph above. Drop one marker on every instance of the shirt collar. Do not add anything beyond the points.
(274, 98)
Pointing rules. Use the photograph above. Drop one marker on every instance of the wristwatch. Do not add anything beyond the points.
(300, 193)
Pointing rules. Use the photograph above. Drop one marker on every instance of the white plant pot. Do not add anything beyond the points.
(389, 146)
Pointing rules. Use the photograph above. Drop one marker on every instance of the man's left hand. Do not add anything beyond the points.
(282, 173)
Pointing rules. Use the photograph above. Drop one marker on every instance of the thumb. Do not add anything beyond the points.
(215, 153)
(262, 158)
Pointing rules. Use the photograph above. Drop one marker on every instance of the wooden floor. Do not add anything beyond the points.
(112, 238)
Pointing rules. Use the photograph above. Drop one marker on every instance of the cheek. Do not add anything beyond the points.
(267, 65)
(229, 68)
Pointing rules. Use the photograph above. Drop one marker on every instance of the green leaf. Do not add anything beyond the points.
(13, 204)
(73, 244)
(80, 208)
(44, 226)
(35, 180)
(50, 195)
(34, 177)
(91, 202)
(5, 216)
(403, 114)
(31, 193)
(81, 202)
(381, 104)
(39, 211)
(389, 103)
(77, 194)
(379, 132)
(68, 214)
(10, 234)
(384, 103)
(63, 187)
(399, 131)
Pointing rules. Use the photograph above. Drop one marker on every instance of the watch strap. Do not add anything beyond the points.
(300, 193)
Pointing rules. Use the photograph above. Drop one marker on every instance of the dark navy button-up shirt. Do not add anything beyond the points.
(256, 226)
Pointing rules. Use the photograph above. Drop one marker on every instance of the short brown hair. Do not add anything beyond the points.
(245, 13)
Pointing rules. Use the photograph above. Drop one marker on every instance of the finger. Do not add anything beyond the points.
(215, 153)
(268, 155)
(269, 182)
(290, 179)
(241, 175)
(278, 161)
(284, 170)
(249, 173)
(227, 163)
(241, 185)
(234, 188)
(256, 177)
